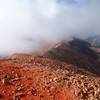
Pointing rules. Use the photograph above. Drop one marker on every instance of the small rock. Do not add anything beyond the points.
(18, 96)
(5, 81)
(50, 80)
(19, 88)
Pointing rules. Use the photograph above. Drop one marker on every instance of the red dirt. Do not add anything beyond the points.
(38, 78)
(22, 82)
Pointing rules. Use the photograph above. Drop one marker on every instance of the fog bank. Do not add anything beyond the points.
(27, 24)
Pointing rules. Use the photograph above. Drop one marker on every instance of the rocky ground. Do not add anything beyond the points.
(25, 77)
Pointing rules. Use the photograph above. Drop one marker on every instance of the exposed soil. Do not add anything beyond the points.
(25, 77)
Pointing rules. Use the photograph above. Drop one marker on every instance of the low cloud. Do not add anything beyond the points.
(25, 24)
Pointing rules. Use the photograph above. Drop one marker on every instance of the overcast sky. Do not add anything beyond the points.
(25, 23)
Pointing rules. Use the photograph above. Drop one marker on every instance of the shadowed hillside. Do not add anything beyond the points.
(76, 52)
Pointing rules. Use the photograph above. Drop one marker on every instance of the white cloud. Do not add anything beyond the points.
(24, 23)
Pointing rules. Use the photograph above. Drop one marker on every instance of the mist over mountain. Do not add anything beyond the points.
(25, 24)
(94, 40)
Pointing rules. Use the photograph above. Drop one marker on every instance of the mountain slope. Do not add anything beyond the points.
(76, 52)
(65, 71)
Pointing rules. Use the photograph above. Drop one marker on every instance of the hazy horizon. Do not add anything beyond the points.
(24, 24)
